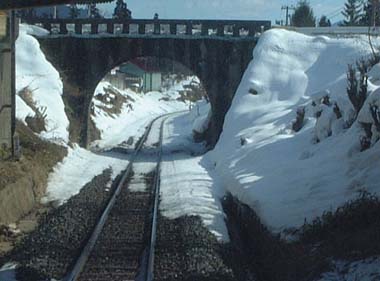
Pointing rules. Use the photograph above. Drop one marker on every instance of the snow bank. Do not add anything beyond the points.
(136, 113)
(287, 176)
(43, 80)
(364, 270)
(78, 168)
(201, 114)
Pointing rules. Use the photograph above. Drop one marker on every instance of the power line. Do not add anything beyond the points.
(287, 8)
(335, 15)
(334, 11)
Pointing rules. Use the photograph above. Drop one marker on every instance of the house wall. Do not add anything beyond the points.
(152, 82)
(134, 83)
(117, 80)
(156, 81)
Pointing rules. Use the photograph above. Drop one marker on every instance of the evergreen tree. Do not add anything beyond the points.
(94, 11)
(74, 11)
(324, 21)
(121, 11)
(303, 15)
(366, 18)
(352, 13)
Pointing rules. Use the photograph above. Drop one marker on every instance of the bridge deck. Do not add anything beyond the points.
(230, 29)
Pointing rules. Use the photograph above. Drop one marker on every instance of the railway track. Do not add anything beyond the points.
(121, 247)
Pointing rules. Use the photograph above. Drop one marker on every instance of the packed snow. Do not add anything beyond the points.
(288, 176)
(43, 81)
(77, 169)
(187, 187)
(364, 270)
(136, 113)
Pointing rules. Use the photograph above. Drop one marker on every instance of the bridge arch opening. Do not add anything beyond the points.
(84, 61)
(134, 92)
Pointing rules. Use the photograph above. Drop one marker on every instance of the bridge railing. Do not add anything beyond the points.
(233, 28)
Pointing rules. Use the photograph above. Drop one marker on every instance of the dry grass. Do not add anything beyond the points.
(37, 160)
(36, 122)
(113, 101)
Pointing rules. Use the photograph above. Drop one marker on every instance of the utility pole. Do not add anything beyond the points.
(287, 8)
(375, 11)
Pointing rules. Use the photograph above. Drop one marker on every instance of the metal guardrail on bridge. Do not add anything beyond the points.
(335, 30)
(156, 27)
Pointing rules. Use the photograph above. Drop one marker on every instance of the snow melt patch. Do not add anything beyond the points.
(78, 168)
(42, 79)
(287, 176)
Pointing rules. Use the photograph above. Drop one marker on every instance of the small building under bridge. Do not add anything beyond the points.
(139, 75)
(144, 70)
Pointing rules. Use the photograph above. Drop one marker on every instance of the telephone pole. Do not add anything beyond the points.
(375, 11)
(287, 8)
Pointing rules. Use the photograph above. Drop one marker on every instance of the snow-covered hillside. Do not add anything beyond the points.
(288, 176)
(39, 86)
(134, 112)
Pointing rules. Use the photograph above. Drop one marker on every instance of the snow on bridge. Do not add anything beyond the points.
(335, 30)
(229, 29)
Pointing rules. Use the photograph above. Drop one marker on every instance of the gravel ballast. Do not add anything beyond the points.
(50, 250)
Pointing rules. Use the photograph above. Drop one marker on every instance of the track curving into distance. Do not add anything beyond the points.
(121, 247)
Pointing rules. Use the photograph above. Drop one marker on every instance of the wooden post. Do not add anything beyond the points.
(7, 83)
(63, 28)
(110, 27)
(204, 29)
(47, 26)
(78, 28)
(173, 28)
(94, 28)
(375, 11)
(252, 30)
(125, 27)
(141, 28)
(189, 28)
(236, 30)
(157, 27)
(220, 30)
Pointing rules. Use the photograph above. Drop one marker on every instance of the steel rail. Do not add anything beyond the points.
(157, 182)
(81, 261)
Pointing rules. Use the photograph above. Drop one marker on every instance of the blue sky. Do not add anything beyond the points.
(224, 9)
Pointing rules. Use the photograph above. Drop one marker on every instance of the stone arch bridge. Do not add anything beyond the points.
(85, 50)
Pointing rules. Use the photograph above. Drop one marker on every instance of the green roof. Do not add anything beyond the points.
(132, 69)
